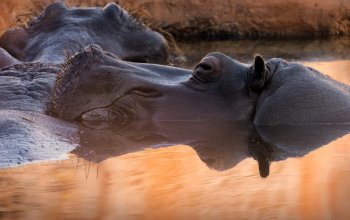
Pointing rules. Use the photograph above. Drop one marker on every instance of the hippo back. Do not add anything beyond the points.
(301, 95)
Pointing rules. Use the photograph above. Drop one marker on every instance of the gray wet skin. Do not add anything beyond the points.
(59, 28)
(26, 134)
(28, 137)
(95, 86)
(27, 86)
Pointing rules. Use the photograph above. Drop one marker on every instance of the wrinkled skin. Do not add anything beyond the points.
(26, 134)
(27, 86)
(96, 87)
(59, 30)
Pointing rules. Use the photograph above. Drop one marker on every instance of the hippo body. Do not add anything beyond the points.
(297, 94)
(102, 88)
(60, 31)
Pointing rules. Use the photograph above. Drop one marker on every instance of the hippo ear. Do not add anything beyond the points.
(260, 75)
(14, 41)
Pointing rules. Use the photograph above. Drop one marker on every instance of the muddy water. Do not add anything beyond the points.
(196, 171)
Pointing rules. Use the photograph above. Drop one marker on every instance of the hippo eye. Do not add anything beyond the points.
(205, 73)
(204, 66)
(137, 59)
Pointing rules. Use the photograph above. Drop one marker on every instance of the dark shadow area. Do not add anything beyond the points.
(220, 145)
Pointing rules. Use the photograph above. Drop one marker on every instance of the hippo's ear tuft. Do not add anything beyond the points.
(260, 75)
(113, 11)
(55, 8)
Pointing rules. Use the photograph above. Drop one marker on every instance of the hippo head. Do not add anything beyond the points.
(96, 86)
(59, 29)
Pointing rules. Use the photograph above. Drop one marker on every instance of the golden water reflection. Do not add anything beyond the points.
(173, 183)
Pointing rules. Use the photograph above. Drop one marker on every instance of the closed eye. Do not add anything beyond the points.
(204, 66)
(204, 73)
(137, 59)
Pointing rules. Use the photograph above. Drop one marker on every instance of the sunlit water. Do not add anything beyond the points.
(208, 174)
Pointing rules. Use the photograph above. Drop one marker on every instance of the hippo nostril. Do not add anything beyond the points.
(205, 73)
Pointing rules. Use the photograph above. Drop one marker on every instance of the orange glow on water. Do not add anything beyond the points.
(173, 183)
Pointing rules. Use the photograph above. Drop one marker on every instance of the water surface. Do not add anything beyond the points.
(197, 170)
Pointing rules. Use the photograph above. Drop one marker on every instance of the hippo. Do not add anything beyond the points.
(269, 97)
(31, 60)
(59, 31)
(34, 54)
(96, 88)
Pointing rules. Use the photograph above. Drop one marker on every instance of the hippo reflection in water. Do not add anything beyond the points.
(59, 30)
(97, 88)
(219, 144)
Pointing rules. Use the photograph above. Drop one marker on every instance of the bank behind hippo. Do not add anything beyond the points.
(97, 88)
